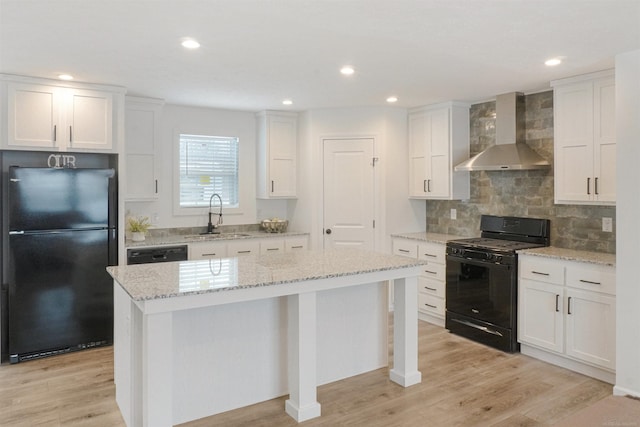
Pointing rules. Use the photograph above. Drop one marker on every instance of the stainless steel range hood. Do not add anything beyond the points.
(510, 150)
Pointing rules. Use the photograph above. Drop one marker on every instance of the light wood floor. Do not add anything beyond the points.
(464, 384)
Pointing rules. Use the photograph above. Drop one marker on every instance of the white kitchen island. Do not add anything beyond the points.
(196, 338)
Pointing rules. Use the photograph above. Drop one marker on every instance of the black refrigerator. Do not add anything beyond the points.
(62, 236)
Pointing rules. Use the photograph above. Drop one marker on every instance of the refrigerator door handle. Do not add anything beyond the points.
(16, 232)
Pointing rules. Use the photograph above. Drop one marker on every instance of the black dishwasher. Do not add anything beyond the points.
(157, 254)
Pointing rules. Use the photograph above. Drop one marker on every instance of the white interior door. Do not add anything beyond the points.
(349, 196)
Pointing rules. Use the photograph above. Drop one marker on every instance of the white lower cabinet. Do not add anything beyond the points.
(431, 282)
(239, 247)
(566, 314)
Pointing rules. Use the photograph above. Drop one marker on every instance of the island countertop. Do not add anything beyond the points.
(166, 280)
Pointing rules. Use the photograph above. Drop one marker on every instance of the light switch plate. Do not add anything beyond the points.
(454, 214)
(607, 224)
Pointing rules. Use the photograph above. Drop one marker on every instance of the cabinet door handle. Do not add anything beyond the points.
(272, 186)
(429, 185)
(429, 305)
(540, 273)
(55, 133)
(590, 282)
(557, 301)
(430, 289)
(595, 183)
(569, 305)
(424, 186)
(156, 186)
(70, 134)
(588, 185)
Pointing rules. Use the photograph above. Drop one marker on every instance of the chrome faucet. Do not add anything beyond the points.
(210, 225)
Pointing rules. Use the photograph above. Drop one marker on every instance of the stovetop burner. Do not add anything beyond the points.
(484, 243)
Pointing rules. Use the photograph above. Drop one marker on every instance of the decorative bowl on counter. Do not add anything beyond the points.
(275, 225)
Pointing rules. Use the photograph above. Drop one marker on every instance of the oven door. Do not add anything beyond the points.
(482, 290)
(481, 302)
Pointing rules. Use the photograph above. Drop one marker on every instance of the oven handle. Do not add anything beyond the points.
(477, 262)
(482, 328)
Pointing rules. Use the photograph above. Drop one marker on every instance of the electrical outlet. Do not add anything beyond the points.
(607, 224)
(454, 214)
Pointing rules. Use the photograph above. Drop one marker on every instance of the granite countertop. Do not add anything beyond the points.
(428, 237)
(171, 279)
(572, 255)
(195, 238)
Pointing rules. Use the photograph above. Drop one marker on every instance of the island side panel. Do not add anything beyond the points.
(353, 331)
(123, 360)
(229, 356)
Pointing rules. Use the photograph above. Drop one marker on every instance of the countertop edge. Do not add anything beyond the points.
(422, 236)
(184, 240)
(599, 258)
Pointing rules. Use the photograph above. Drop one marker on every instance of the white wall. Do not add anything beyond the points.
(628, 213)
(388, 127)
(206, 121)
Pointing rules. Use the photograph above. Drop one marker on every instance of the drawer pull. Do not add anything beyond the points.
(431, 272)
(431, 255)
(590, 282)
(296, 247)
(431, 306)
(404, 251)
(244, 252)
(273, 249)
(540, 273)
(213, 254)
(430, 289)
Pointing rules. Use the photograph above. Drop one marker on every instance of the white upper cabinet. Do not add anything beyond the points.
(276, 155)
(41, 115)
(584, 139)
(438, 140)
(142, 122)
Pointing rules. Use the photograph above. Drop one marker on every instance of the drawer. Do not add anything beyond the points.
(431, 304)
(271, 246)
(207, 250)
(243, 247)
(541, 270)
(431, 252)
(406, 248)
(592, 277)
(295, 244)
(433, 271)
(431, 287)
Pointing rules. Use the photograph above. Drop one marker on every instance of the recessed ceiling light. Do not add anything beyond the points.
(552, 62)
(190, 44)
(392, 99)
(347, 70)
(65, 77)
(287, 102)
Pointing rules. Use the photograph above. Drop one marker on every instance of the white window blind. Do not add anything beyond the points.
(208, 164)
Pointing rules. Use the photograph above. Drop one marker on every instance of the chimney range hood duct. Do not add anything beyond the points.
(510, 150)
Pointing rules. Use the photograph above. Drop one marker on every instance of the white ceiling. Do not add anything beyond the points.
(257, 52)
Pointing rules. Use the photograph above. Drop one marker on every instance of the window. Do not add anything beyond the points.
(208, 165)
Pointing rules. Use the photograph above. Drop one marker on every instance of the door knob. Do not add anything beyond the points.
(328, 231)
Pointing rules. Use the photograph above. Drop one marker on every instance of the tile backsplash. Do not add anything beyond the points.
(522, 193)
